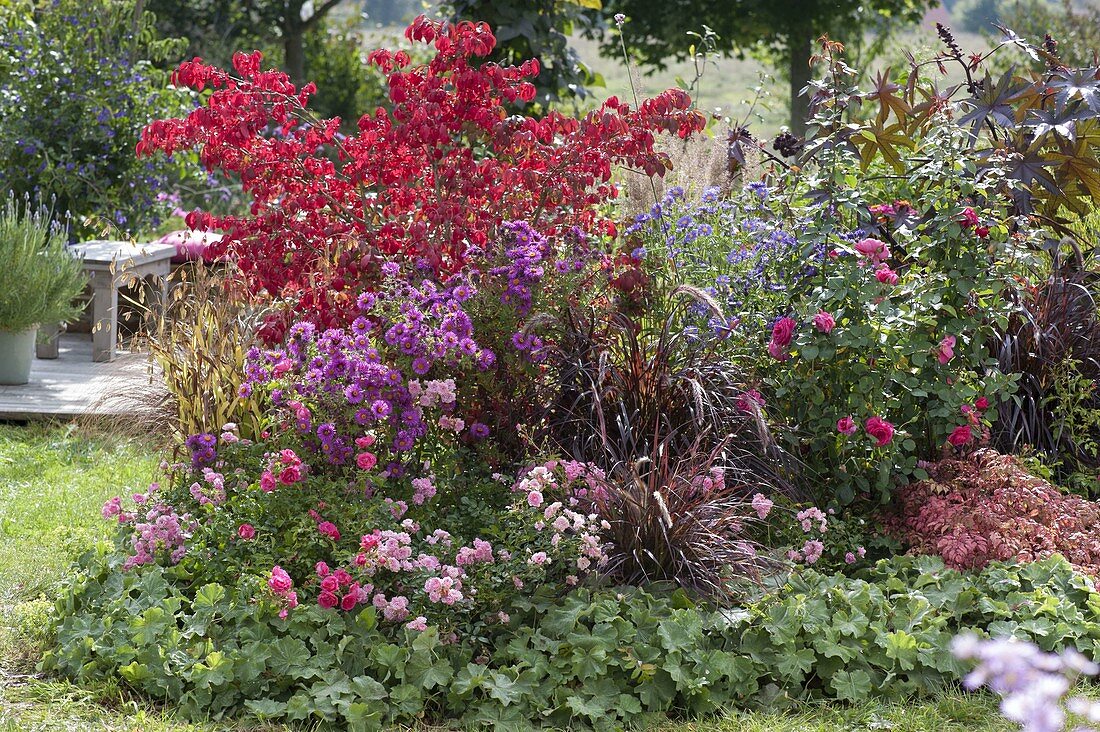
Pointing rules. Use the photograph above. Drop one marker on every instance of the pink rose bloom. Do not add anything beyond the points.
(885, 275)
(813, 550)
(849, 558)
(418, 623)
(750, 400)
(330, 584)
(112, 508)
(328, 600)
(280, 582)
(366, 460)
(538, 558)
(946, 350)
(961, 436)
(364, 442)
(246, 531)
(321, 569)
(778, 352)
(349, 600)
(290, 475)
(969, 218)
(534, 499)
(824, 322)
(783, 331)
(873, 249)
(762, 505)
(846, 426)
(982, 403)
(880, 429)
(861, 552)
(267, 481)
(329, 529)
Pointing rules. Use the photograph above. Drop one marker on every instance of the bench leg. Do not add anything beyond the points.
(47, 346)
(104, 320)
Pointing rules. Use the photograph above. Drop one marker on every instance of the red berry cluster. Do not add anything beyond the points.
(426, 181)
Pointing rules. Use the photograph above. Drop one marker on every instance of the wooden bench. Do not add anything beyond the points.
(109, 264)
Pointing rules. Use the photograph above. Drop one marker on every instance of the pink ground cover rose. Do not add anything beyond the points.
(873, 249)
(762, 505)
(880, 429)
(846, 426)
(824, 322)
(246, 531)
(280, 582)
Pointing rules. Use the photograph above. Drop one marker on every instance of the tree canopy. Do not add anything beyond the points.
(657, 29)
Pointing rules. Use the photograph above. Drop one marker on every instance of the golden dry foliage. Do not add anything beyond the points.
(698, 163)
(199, 344)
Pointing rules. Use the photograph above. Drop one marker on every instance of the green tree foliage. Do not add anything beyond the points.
(785, 31)
(224, 26)
(1074, 27)
(78, 81)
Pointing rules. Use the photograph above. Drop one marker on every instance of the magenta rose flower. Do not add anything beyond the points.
(880, 429)
(280, 582)
(782, 333)
(824, 322)
(846, 426)
(946, 350)
(961, 436)
(885, 275)
(246, 531)
(873, 249)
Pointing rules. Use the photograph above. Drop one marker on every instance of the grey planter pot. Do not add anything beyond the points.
(16, 355)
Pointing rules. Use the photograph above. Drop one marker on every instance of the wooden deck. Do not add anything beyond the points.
(73, 385)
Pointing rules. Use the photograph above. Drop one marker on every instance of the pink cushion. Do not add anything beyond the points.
(190, 245)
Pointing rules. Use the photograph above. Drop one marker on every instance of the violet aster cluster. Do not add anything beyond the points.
(203, 447)
(1032, 684)
(526, 252)
(337, 385)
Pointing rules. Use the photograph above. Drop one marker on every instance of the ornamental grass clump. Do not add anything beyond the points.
(200, 346)
(40, 278)
(683, 517)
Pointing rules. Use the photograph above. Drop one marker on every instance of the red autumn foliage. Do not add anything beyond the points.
(428, 180)
(986, 507)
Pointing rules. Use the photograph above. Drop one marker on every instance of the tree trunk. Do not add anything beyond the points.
(295, 50)
(800, 45)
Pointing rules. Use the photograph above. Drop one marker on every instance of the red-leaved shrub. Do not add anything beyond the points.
(427, 180)
(987, 507)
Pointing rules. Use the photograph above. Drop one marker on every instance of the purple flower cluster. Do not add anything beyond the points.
(203, 447)
(337, 385)
(526, 252)
(1032, 684)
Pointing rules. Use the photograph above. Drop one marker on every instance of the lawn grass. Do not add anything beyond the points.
(53, 481)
